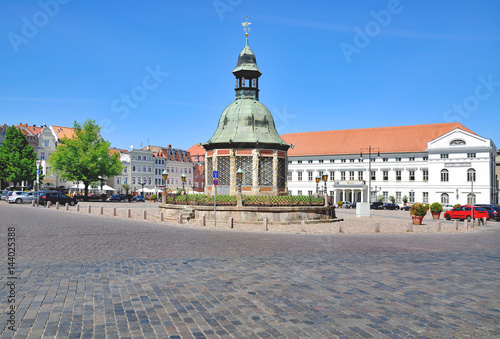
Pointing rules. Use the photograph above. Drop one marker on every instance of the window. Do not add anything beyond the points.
(373, 159)
(398, 175)
(385, 194)
(425, 158)
(299, 176)
(310, 176)
(425, 174)
(398, 197)
(471, 199)
(149, 169)
(471, 175)
(289, 176)
(46, 143)
(360, 175)
(133, 180)
(360, 160)
(398, 159)
(118, 180)
(351, 175)
(309, 161)
(342, 175)
(471, 155)
(139, 168)
(299, 192)
(149, 181)
(299, 162)
(444, 156)
(309, 192)
(351, 160)
(425, 197)
(444, 175)
(139, 157)
(125, 169)
(411, 158)
(144, 168)
(133, 168)
(412, 197)
(321, 161)
(342, 160)
(42, 156)
(332, 160)
(332, 175)
(445, 198)
(386, 175)
(385, 159)
(126, 180)
(372, 174)
(412, 175)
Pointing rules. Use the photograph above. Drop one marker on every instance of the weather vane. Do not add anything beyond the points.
(246, 25)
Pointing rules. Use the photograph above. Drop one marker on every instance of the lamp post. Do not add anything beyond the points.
(194, 166)
(471, 170)
(142, 184)
(183, 178)
(239, 176)
(369, 169)
(317, 183)
(164, 175)
(324, 176)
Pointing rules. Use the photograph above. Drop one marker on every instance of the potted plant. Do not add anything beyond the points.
(154, 197)
(417, 212)
(405, 200)
(436, 209)
(340, 203)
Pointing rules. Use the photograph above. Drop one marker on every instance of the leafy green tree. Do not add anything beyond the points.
(126, 187)
(85, 157)
(17, 158)
(392, 199)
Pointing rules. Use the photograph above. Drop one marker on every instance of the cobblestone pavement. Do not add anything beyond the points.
(82, 276)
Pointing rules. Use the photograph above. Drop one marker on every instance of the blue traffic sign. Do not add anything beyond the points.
(216, 182)
(216, 175)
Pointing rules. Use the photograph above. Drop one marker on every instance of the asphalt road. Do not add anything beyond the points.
(85, 276)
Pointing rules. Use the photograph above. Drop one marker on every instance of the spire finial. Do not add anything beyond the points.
(246, 26)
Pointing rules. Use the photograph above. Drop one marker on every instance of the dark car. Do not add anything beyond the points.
(493, 211)
(139, 198)
(55, 196)
(375, 205)
(405, 208)
(118, 197)
(389, 206)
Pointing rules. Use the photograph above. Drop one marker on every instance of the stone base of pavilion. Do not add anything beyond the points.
(251, 214)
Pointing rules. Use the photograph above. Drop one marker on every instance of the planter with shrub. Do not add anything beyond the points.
(436, 209)
(417, 212)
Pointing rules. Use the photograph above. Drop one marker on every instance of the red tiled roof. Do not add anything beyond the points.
(29, 129)
(350, 141)
(196, 150)
(64, 132)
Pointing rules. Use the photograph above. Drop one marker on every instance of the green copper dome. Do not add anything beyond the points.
(246, 123)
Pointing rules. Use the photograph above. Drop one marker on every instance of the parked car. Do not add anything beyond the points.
(118, 197)
(465, 212)
(493, 211)
(348, 204)
(55, 196)
(13, 194)
(375, 205)
(406, 208)
(139, 198)
(6, 195)
(447, 207)
(389, 206)
(20, 198)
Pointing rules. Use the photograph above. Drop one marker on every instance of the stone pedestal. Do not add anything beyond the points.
(363, 209)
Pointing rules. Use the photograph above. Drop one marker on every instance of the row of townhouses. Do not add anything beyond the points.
(142, 168)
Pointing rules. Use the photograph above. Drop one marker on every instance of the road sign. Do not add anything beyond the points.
(216, 182)
(216, 175)
(37, 163)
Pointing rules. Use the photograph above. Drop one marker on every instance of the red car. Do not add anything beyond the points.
(465, 212)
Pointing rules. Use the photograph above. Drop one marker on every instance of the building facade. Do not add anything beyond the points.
(444, 163)
(198, 159)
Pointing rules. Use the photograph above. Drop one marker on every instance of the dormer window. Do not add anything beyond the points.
(457, 142)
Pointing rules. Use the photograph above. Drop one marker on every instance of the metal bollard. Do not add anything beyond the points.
(438, 226)
(377, 227)
(89, 209)
(129, 213)
(410, 226)
(303, 226)
(144, 216)
(266, 228)
(161, 216)
(231, 222)
(102, 210)
(484, 221)
(114, 211)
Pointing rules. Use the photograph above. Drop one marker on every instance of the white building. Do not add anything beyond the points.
(447, 163)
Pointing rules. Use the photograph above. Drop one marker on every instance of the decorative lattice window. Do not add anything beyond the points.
(281, 173)
(210, 169)
(265, 171)
(224, 170)
(245, 163)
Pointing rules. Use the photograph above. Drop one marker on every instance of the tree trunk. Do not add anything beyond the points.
(86, 194)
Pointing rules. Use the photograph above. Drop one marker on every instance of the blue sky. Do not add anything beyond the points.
(161, 70)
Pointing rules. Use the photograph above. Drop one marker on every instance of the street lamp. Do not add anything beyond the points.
(239, 176)
(325, 179)
(472, 177)
(369, 169)
(194, 166)
(164, 175)
(183, 178)
(142, 184)
(317, 183)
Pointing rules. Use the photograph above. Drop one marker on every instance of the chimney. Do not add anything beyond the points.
(169, 146)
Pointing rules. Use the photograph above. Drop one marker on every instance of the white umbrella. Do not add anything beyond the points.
(81, 186)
